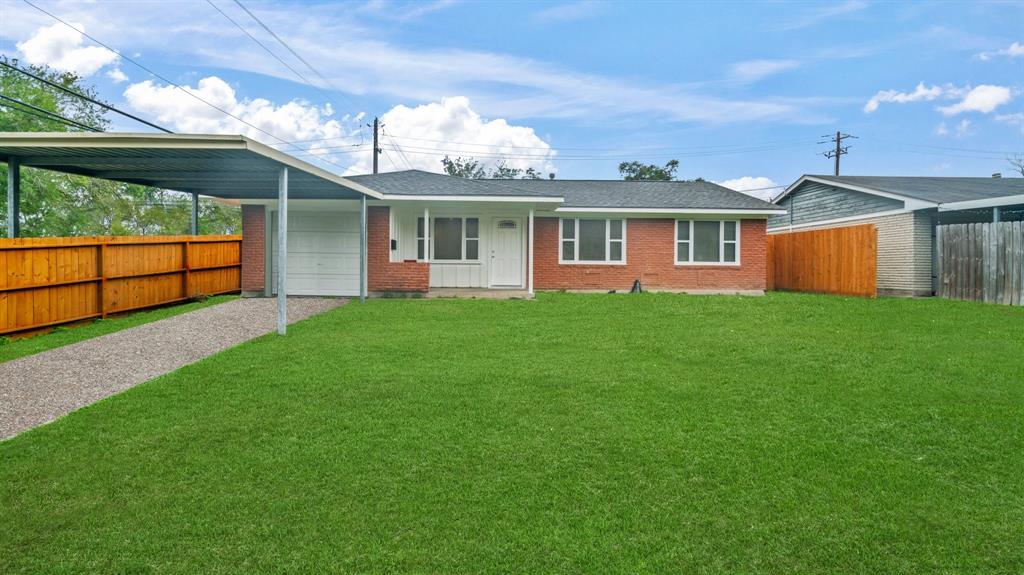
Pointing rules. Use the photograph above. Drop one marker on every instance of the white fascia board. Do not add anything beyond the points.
(673, 211)
(293, 162)
(909, 203)
(514, 199)
(986, 203)
(825, 223)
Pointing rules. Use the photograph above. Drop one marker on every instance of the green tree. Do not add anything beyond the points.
(474, 170)
(55, 204)
(636, 171)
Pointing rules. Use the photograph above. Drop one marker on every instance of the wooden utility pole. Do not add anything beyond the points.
(840, 149)
(376, 148)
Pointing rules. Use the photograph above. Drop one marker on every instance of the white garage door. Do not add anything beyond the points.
(323, 253)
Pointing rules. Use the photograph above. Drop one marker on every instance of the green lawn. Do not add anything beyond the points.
(61, 336)
(575, 433)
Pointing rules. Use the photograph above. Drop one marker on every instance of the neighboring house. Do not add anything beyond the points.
(516, 235)
(905, 211)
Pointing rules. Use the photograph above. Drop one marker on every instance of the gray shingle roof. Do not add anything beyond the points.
(577, 193)
(644, 194)
(936, 189)
(420, 183)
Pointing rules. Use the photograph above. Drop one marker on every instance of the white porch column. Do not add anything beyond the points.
(282, 251)
(362, 250)
(529, 254)
(426, 234)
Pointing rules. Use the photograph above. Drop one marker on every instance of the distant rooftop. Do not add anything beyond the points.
(935, 189)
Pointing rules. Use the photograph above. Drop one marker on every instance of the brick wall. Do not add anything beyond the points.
(253, 238)
(383, 274)
(650, 257)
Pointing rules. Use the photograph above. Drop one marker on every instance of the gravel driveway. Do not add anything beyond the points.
(40, 388)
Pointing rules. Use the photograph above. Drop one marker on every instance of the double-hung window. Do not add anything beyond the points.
(707, 242)
(451, 239)
(592, 241)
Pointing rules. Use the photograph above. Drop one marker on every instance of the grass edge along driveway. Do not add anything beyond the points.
(67, 335)
(575, 433)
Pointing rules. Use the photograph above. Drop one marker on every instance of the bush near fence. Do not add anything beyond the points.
(50, 281)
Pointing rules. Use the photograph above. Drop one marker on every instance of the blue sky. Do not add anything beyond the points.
(733, 90)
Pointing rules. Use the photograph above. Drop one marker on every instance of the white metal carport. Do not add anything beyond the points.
(221, 166)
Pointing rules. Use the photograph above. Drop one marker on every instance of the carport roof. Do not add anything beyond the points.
(223, 166)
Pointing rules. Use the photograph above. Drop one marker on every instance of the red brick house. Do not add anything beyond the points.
(429, 231)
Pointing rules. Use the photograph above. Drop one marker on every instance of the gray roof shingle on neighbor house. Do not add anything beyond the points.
(576, 193)
(940, 190)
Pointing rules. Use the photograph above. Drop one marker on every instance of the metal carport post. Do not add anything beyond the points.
(282, 251)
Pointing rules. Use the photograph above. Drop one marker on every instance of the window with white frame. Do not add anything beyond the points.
(707, 242)
(592, 241)
(451, 239)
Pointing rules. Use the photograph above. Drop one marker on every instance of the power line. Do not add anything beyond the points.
(290, 49)
(37, 115)
(397, 148)
(84, 97)
(177, 86)
(52, 115)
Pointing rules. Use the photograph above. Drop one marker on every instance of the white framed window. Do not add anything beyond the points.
(708, 242)
(590, 241)
(451, 239)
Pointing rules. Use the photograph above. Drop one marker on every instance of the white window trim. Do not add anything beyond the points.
(721, 244)
(435, 260)
(576, 243)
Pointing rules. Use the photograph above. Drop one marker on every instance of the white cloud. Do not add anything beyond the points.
(754, 70)
(1015, 118)
(921, 92)
(569, 12)
(963, 128)
(295, 120)
(1014, 50)
(420, 132)
(117, 76)
(60, 47)
(983, 99)
(757, 186)
(941, 129)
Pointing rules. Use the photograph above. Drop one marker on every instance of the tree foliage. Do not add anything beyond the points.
(632, 171)
(54, 204)
(1017, 163)
(474, 170)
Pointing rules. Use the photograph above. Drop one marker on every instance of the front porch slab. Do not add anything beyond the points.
(478, 293)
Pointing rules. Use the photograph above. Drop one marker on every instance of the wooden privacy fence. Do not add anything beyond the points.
(836, 260)
(49, 281)
(981, 262)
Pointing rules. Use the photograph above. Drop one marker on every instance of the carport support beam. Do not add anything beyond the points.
(995, 215)
(194, 223)
(13, 198)
(282, 251)
(362, 250)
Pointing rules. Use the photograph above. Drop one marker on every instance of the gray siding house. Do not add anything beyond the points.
(905, 211)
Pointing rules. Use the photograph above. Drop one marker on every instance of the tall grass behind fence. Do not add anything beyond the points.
(981, 262)
(836, 261)
(50, 281)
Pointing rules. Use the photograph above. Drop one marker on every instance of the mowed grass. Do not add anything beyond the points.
(574, 433)
(66, 335)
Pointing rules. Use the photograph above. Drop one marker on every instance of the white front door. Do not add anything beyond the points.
(506, 252)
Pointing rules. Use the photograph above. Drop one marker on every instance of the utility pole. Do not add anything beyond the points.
(376, 147)
(840, 149)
